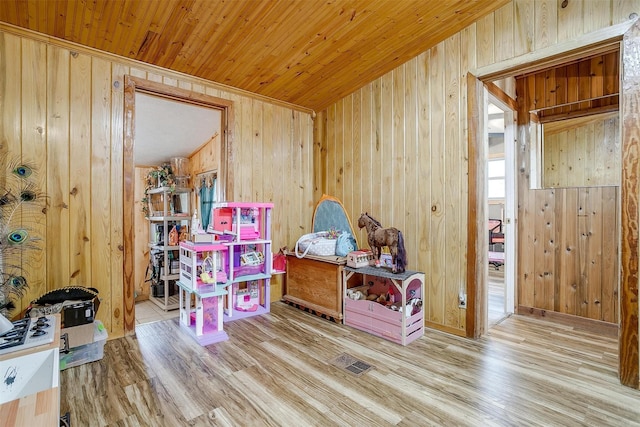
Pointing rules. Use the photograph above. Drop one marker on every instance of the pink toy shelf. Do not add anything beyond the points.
(203, 264)
(228, 278)
(241, 220)
(247, 298)
(396, 315)
(245, 229)
(201, 312)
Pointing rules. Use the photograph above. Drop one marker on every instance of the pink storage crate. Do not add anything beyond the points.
(381, 321)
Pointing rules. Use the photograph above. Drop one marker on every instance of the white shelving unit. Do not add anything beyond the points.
(176, 205)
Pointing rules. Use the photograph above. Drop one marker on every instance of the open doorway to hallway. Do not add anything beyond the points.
(500, 208)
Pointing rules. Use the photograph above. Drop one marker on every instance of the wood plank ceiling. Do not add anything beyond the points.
(310, 53)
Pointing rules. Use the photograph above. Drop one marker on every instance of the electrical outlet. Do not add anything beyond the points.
(462, 300)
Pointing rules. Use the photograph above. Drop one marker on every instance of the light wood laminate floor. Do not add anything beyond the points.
(275, 370)
(147, 311)
(495, 302)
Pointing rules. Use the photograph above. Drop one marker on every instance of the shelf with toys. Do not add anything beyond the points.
(245, 228)
(387, 304)
(226, 276)
(168, 217)
(203, 283)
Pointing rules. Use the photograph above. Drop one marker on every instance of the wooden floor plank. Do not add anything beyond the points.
(275, 370)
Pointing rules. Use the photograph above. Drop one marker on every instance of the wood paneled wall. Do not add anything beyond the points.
(206, 158)
(568, 237)
(397, 147)
(62, 109)
(582, 152)
(568, 251)
(587, 86)
(141, 230)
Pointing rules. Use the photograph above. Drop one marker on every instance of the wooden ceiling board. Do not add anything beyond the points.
(310, 53)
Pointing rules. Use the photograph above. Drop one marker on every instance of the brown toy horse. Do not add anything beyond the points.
(379, 237)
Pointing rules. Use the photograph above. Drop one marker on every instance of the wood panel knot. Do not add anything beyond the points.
(74, 191)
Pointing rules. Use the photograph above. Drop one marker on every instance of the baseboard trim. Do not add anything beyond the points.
(582, 323)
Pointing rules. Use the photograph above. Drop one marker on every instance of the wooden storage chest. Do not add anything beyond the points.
(315, 283)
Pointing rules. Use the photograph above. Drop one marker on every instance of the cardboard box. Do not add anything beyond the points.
(79, 335)
(91, 352)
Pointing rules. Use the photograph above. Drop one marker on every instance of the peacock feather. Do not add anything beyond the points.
(21, 203)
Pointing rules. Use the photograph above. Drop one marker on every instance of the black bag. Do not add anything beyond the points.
(77, 304)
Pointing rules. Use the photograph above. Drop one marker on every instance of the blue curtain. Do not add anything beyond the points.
(207, 198)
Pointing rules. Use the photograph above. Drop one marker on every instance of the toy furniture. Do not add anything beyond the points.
(245, 229)
(227, 279)
(396, 314)
(202, 290)
(202, 264)
(201, 312)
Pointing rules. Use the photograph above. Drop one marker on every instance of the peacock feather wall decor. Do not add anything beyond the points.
(21, 202)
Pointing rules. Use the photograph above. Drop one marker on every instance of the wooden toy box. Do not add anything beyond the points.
(315, 283)
(376, 319)
(403, 325)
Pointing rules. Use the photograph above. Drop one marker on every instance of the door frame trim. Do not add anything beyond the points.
(131, 85)
(603, 40)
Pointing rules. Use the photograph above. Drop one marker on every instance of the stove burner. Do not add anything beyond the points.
(39, 326)
(10, 342)
(20, 337)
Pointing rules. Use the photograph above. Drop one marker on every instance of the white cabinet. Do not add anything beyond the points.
(164, 253)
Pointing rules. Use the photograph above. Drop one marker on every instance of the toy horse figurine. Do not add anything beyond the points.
(379, 237)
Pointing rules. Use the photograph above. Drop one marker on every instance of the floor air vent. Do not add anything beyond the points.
(350, 364)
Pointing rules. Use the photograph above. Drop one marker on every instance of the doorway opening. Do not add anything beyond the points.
(135, 261)
(500, 210)
(625, 267)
